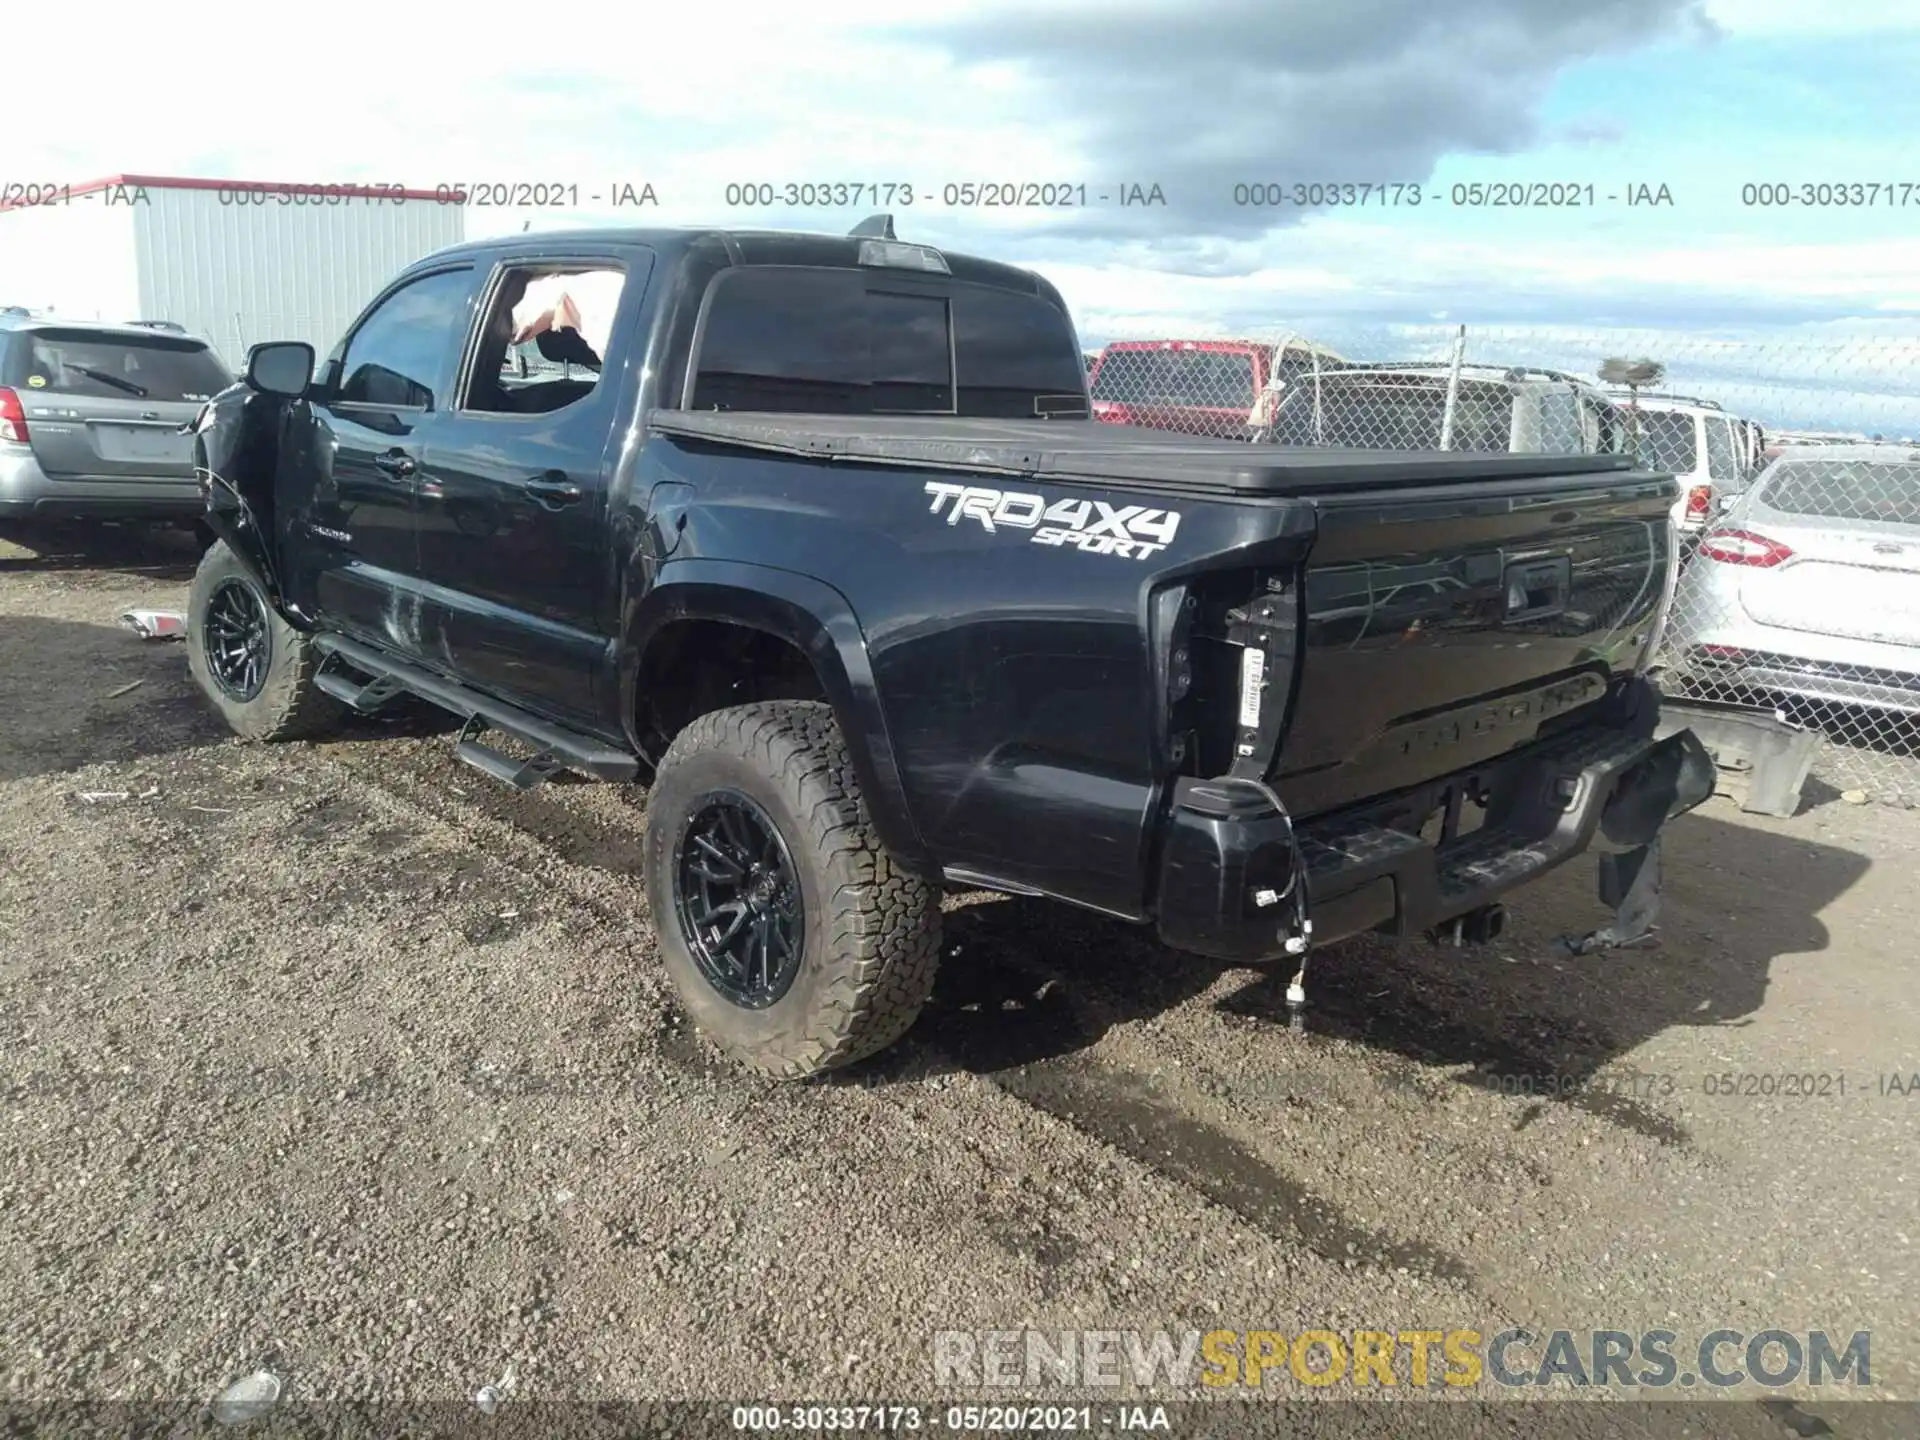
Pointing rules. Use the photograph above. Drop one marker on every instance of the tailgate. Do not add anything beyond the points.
(109, 439)
(1441, 629)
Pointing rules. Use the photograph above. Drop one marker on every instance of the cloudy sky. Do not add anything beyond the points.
(1197, 97)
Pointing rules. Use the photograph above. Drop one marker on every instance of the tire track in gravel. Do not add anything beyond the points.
(554, 839)
(570, 847)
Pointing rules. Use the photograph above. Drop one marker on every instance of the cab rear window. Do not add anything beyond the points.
(848, 342)
(115, 367)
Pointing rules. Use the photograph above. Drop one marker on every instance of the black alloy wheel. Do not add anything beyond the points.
(239, 647)
(738, 896)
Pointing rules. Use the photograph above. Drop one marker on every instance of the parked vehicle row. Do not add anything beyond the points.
(1303, 394)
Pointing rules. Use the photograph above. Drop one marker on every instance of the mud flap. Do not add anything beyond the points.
(1630, 883)
(1677, 775)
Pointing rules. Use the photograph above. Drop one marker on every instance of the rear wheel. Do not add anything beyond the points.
(794, 940)
(256, 668)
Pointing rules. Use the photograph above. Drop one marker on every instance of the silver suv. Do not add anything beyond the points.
(90, 415)
(1494, 410)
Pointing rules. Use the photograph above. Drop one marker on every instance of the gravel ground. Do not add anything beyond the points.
(336, 1058)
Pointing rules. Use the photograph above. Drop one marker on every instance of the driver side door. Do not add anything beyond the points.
(385, 388)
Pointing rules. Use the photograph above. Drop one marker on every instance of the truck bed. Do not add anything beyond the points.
(1086, 451)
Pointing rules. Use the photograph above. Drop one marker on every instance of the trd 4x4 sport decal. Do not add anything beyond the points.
(1092, 526)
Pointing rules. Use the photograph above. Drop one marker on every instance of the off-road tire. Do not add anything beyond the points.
(872, 930)
(289, 705)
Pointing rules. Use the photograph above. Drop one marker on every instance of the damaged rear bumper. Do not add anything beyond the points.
(1231, 856)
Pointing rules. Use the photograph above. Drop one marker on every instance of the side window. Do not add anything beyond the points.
(396, 355)
(1722, 465)
(1559, 421)
(544, 340)
(1667, 441)
(1483, 419)
(1601, 427)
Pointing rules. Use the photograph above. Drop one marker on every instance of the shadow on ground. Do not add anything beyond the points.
(1027, 988)
(1025, 981)
(74, 694)
(161, 552)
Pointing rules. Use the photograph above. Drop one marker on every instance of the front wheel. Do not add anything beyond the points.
(256, 668)
(794, 940)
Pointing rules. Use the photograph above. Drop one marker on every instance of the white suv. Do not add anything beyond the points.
(1711, 452)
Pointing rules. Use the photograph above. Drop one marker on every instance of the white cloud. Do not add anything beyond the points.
(609, 92)
(1813, 17)
(1342, 269)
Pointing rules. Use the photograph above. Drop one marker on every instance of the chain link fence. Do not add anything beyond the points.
(1798, 458)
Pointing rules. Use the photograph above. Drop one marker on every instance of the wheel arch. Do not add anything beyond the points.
(816, 627)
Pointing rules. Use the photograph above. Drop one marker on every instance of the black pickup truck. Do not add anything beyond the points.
(815, 536)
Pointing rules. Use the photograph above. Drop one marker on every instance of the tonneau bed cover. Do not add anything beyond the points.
(1086, 450)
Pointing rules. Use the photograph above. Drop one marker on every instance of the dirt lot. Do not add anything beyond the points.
(336, 1058)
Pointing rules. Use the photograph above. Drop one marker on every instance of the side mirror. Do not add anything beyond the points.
(282, 367)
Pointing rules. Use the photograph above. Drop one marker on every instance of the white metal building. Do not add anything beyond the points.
(234, 261)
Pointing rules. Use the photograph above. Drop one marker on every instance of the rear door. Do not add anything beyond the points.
(513, 496)
(108, 406)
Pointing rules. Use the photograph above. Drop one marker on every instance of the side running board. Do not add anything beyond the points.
(555, 747)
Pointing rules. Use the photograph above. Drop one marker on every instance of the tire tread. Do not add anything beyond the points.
(882, 924)
(290, 706)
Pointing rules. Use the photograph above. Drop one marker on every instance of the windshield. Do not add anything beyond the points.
(1220, 379)
(1391, 414)
(157, 367)
(1871, 491)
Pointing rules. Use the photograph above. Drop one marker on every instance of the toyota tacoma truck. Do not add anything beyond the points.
(815, 536)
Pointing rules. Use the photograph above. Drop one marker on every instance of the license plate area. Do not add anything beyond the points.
(158, 443)
(1538, 589)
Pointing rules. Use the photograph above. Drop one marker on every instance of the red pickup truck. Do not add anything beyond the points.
(1217, 388)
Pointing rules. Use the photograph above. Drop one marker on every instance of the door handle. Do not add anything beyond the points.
(397, 463)
(553, 490)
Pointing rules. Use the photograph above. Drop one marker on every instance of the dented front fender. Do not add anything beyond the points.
(236, 453)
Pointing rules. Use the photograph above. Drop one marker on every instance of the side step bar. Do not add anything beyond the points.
(557, 748)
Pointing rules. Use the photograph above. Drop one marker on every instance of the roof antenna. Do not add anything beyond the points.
(875, 227)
